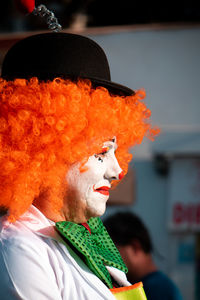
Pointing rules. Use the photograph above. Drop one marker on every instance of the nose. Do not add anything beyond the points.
(113, 171)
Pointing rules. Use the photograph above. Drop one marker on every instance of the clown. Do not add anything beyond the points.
(65, 131)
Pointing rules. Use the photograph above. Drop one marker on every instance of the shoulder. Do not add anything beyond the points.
(157, 285)
(26, 267)
(14, 231)
(18, 239)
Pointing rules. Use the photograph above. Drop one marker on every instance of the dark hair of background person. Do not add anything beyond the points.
(124, 227)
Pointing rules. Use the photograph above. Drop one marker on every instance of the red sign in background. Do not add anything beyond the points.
(184, 194)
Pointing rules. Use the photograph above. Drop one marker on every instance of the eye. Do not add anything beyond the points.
(102, 154)
(98, 156)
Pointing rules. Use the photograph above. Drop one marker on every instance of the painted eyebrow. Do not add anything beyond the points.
(109, 148)
(105, 149)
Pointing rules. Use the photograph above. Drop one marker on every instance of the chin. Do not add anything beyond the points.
(97, 211)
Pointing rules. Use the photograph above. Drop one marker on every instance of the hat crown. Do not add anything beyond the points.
(51, 55)
(66, 55)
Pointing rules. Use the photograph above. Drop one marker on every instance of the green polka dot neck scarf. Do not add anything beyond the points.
(96, 247)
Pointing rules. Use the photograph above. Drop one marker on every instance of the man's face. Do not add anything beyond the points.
(90, 189)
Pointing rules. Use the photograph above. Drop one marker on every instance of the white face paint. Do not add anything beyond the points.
(91, 188)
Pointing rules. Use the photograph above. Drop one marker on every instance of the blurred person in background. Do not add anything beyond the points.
(135, 246)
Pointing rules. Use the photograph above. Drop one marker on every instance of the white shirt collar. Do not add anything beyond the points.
(36, 221)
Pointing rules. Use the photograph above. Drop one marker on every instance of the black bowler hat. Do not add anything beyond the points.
(50, 55)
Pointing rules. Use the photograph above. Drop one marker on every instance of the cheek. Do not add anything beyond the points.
(77, 182)
(125, 255)
(96, 168)
(83, 180)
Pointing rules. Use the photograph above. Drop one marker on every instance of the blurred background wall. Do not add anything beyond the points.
(155, 47)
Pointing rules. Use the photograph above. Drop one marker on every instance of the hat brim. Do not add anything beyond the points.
(112, 87)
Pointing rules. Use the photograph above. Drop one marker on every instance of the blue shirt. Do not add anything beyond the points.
(158, 286)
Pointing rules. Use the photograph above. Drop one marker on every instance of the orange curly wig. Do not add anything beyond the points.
(47, 126)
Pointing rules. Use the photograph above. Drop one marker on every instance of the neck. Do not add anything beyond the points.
(145, 267)
(71, 211)
(149, 266)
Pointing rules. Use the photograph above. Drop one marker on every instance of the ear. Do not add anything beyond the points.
(136, 245)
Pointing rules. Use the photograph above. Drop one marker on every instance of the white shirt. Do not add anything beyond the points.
(36, 264)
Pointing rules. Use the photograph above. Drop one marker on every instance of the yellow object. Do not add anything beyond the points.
(132, 292)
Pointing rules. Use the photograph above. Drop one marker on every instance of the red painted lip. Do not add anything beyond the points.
(102, 190)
